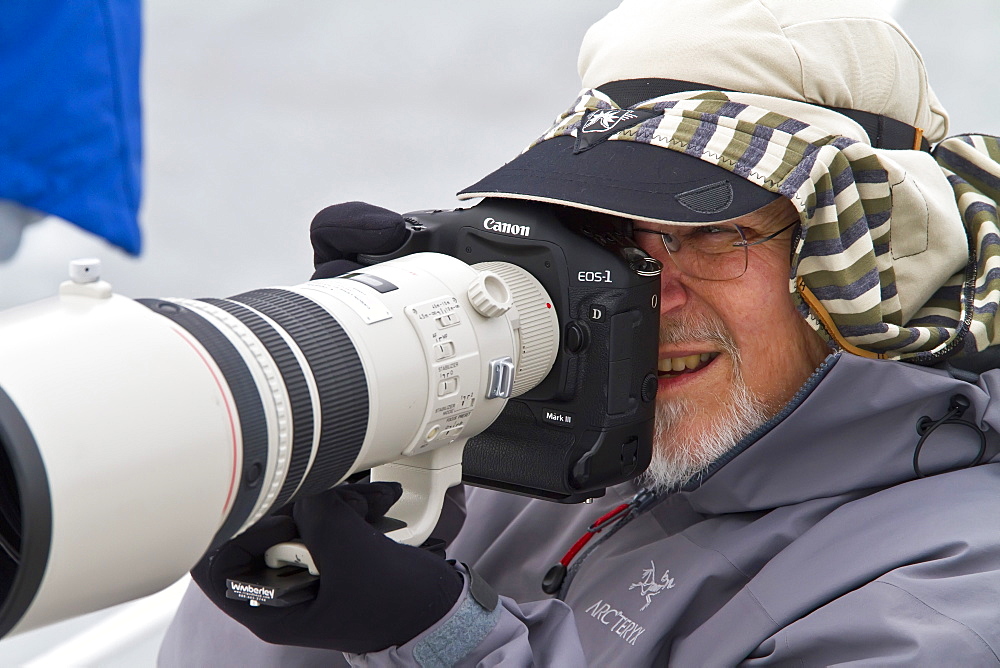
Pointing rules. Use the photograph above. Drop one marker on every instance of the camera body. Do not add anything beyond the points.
(589, 424)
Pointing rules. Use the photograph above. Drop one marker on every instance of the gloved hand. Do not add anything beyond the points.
(373, 592)
(339, 232)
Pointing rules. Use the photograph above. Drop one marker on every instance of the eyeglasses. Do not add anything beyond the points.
(715, 252)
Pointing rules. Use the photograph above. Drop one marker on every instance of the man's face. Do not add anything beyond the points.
(732, 353)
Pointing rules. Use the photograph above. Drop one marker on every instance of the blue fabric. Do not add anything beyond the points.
(458, 636)
(70, 127)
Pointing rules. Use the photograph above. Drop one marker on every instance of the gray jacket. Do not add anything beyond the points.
(812, 543)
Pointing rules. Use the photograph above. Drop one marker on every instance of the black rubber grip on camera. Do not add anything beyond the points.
(339, 375)
(299, 398)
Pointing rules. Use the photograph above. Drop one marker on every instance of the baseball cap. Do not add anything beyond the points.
(834, 56)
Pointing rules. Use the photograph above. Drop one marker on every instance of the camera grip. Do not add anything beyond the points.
(518, 452)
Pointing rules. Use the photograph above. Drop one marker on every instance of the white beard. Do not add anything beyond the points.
(681, 454)
(680, 457)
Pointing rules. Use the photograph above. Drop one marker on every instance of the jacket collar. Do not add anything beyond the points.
(852, 427)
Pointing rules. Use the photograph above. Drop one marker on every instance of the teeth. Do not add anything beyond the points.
(678, 364)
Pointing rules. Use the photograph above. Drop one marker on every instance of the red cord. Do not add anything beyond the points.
(594, 529)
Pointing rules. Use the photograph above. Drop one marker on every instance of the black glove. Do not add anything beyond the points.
(339, 232)
(373, 592)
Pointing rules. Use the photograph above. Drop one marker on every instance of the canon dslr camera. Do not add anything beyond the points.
(589, 424)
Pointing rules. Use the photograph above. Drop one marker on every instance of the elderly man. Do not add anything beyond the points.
(810, 501)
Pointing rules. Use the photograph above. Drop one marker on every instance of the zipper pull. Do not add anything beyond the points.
(552, 582)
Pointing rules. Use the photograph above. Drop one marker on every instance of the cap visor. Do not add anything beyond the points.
(624, 178)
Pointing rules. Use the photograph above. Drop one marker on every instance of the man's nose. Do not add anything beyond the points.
(673, 291)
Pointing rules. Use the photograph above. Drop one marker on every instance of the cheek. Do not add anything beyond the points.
(760, 308)
(778, 349)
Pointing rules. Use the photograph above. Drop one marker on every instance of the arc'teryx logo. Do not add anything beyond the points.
(606, 119)
(498, 226)
(649, 586)
(601, 124)
(615, 621)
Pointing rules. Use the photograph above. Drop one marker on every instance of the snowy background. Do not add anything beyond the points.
(258, 114)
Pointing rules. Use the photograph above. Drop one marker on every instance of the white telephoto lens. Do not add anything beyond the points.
(136, 435)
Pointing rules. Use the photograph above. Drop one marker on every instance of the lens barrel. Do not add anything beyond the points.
(136, 435)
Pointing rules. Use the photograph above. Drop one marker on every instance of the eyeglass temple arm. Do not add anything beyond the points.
(747, 244)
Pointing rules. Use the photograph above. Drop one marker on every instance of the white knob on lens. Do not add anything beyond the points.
(86, 270)
(490, 295)
(538, 325)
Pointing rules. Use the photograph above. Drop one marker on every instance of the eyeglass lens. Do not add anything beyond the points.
(716, 252)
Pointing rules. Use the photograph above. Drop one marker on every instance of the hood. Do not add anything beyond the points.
(837, 53)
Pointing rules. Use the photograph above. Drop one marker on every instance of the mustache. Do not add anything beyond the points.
(678, 329)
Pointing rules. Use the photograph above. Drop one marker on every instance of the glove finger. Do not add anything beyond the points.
(334, 268)
(328, 512)
(330, 521)
(349, 228)
(333, 525)
(353, 499)
(379, 496)
(370, 501)
(338, 538)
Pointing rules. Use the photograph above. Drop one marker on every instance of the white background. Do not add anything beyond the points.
(258, 114)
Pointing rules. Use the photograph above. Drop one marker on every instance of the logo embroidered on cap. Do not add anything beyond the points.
(649, 586)
(599, 124)
(603, 120)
